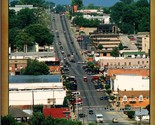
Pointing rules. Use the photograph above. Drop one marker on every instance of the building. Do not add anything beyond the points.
(91, 11)
(143, 43)
(18, 60)
(28, 90)
(126, 82)
(57, 112)
(105, 18)
(15, 66)
(139, 72)
(19, 7)
(123, 63)
(107, 36)
(136, 99)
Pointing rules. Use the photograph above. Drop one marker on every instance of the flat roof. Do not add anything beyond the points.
(32, 54)
(34, 78)
(131, 53)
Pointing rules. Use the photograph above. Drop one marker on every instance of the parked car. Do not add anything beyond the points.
(91, 112)
(104, 98)
(115, 120)
(82, 115)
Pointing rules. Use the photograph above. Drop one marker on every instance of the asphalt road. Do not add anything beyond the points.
(89, 95)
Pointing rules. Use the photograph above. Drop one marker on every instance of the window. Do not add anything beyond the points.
(129, 63)
(142, 62)
(138, 62)
(140, 98)
(125, 98)
(15, 65)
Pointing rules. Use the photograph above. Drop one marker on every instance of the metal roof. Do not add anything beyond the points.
(34, 79)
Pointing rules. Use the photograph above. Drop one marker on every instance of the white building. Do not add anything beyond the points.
(105, 18)
(43, 89)
(19, 7)
(130, 82)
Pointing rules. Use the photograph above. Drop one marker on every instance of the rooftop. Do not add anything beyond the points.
(56, 112)
(34, 79)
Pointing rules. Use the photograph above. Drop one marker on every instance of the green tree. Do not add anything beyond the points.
(107, 86)
(106, 10)
(148, 108)
(9, 120)
(112, 97)
(37, 119)
(22, 38)
(35, 3)
(120, 46)
(130, 114)
(40, 33)
(38, 108)
(13, 3)
(66, 100)
(130, 16)
(26, 17)
(115, 52)
(12, 19)
(13, 32)
(48, 121)
(90, 64)
(35, 67)
(79, 3)
(91, 6)
(100, 46)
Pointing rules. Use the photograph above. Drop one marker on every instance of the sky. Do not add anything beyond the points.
(104, 3)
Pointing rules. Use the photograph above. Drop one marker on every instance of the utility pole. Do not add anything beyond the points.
(33, 101)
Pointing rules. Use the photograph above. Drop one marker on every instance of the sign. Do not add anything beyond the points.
(51, 100)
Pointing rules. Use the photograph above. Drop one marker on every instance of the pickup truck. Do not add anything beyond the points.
(99, 118)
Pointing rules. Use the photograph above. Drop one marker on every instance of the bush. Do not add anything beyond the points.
(108, 91)
(107, 87)
(112, 97)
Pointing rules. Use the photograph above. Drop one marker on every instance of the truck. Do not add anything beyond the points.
(99, 118)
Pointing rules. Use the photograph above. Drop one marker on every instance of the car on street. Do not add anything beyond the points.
(82, 115)
(115, 120)
(91, 112)
(104, 98)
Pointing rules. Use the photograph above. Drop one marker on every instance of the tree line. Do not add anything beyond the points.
(131, 16)
(29, 26)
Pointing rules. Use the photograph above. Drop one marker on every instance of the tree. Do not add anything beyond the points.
(100, 46)
(90, 64)
(9, 120)
(130, 16)
(130, 114)
(40, 33)
(22, 39)
(79, 3)
(148, 108)
(120, 46)
(13, 3)
(35, 67)
(26, 17)
(37, 119)
(38, 108)
(115, 52)
(13, 32)
(12, 19)
(35, 3)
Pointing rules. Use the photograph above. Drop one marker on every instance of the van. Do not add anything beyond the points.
(76, 93)
(99, 118)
